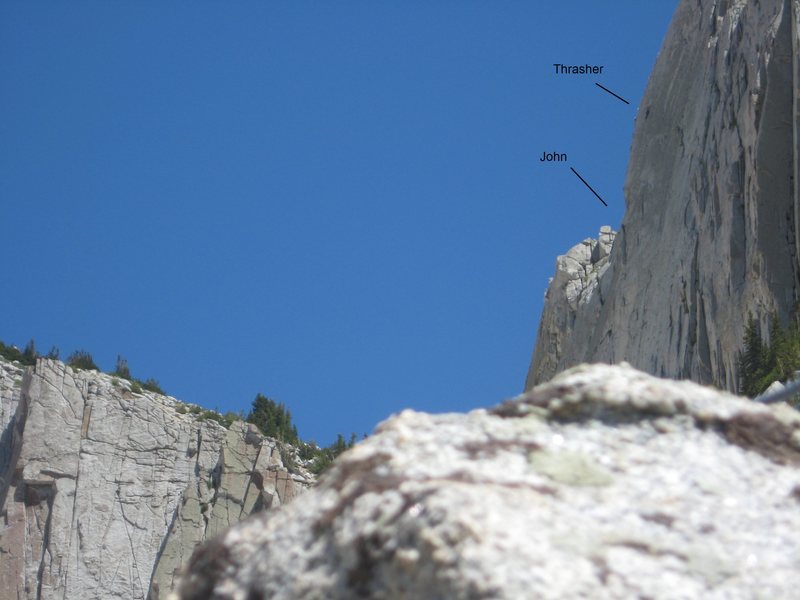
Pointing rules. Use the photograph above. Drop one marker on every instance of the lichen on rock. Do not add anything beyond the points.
(604, 483)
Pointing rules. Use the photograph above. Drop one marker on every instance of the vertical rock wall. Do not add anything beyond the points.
(105, 493)
(572, 291)
(709, 233)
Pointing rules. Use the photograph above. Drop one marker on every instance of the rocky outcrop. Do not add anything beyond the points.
(578, 275)
(105, 492)
(604, 483)
(710, 231)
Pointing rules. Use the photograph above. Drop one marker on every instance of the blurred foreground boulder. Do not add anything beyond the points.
(603, 483)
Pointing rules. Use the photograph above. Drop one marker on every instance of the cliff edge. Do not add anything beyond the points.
(711, 226)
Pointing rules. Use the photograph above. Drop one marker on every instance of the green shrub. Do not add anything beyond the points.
(209, 415)
(80, 359)
(11, 353)
(322, 462)
(122, 370)
(225, 420)
(324, 457)
(181, 409)
(229, 418)
(308, 450)
(203, 414)
(136, 387)
(151, 385)
(287, 458)
(27, 356)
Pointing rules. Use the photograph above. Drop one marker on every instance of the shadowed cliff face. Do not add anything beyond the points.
(709, 233)
(105, 493)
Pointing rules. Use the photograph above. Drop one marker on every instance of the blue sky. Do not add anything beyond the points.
(337, 204)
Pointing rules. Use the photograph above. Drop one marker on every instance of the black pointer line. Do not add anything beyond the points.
(612, 93)
(588, 186)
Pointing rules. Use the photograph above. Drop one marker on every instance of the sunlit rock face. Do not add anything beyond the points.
(604, 483)
(574, 290)
(105, 493)
(710, 229)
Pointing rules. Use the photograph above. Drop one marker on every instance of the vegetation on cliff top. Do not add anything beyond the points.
(275, 421)
(123, 371)
(81, 359)
(272, 418)
(27, 356)
(324, 457)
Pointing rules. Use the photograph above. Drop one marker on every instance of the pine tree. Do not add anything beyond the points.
(29, 354)
(122, 369)
(776, 353)
(339, 445)
(273, 419)
(761, 364)
(753, 360)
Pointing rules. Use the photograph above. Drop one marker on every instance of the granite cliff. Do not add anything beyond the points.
(105, 493)
(710, 231)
